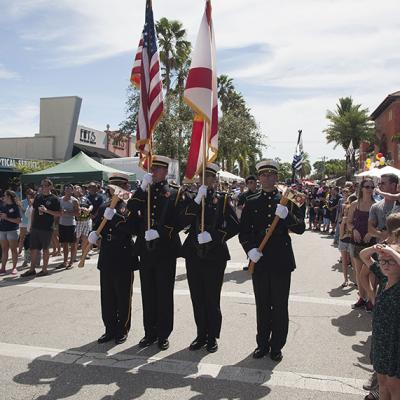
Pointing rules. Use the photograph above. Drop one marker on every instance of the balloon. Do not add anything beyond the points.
(377, 163)
(383, 159)
(381, 162)
(379, 156)
(368, 161)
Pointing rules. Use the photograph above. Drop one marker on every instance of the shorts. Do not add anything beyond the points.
(344, 246)
(83, 228)
(327, 221)
(355, 250)
(40, 240)
(9, 235)
(66, 233)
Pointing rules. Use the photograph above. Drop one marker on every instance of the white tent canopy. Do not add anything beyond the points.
(229, 177)
(378, 172)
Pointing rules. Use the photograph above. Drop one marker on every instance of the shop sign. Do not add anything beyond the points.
(90, 137)
(16, 163)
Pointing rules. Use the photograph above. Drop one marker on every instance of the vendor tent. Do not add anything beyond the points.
(79, 169)
(229, 177)
(377, 172)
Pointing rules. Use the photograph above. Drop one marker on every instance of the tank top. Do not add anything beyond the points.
(360, 222)
(68, 206)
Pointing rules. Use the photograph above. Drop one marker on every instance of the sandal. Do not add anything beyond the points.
(42, 273)
(69, 266)
(14, 271)
(372, 395)
(344, 284)
(60, 266)
(28, 273)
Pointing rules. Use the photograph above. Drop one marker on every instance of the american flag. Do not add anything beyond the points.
(298, 155)
(147, 78)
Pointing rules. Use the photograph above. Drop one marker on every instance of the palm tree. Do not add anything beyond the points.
(306, 166)
(225, 90)
(174, 48)
(349, 123)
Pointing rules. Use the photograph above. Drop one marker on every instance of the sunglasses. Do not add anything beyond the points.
(387, 262)
(369, 187)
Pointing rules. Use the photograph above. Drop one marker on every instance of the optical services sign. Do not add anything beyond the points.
(15, 163)
(90, 137)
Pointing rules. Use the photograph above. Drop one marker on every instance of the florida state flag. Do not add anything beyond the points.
(201, 95)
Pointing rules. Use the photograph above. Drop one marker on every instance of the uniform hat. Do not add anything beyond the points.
(160, 161)
(267, 166)
(212, 168)
(117, 178)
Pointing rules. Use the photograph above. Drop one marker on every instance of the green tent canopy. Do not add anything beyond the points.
(79, 169)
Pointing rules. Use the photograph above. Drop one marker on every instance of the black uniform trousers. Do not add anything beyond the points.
(116, 300)
(271, 290)
(157, 286)
(205, 280)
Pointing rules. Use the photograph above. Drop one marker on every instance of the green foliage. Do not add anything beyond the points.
(349, 122)
(240, 140)
(285, 170)
(333, 168)
(40, 166)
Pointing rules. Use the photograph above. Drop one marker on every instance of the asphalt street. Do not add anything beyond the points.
(49, 328)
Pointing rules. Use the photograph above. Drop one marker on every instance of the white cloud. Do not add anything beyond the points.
(22, 120)
(6, 73)
(333, 47)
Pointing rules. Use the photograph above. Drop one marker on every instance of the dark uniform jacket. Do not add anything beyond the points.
(257, 217)
(165, 206)
(221, 223)
(117, 245)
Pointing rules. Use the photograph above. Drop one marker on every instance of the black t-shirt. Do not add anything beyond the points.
(97, 200)
(12, 211)
(45, 221)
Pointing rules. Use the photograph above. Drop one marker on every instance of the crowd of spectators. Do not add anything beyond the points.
(47, 218)
(363, 219)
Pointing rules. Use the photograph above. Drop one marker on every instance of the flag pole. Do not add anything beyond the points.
(203, 200)
(149, 160)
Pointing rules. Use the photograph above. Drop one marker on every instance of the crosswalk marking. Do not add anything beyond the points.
(186, 369)
(177, 292)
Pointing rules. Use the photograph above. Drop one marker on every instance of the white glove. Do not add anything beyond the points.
(254, 255)
(93, 237)
(204, 237)
(147, 180)
(281, 211)
(202, 192)
(109, 213)
(151, 234)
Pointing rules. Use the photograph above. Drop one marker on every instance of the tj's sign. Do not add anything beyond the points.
(90, 137)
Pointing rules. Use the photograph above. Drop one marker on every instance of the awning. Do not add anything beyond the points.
(93, 152)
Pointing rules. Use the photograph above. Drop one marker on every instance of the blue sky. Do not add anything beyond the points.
(292, 60)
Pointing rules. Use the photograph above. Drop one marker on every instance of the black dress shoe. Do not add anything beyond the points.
(121, 339)
(163, 344)
(276, 355)
(197, 344)
(147, 341)
(260, 352)
(107, 337)
(212, 345)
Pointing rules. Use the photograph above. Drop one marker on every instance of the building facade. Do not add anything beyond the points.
(387, 127)
(61, 136)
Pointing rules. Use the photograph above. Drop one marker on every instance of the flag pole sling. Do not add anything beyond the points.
(203, 200)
